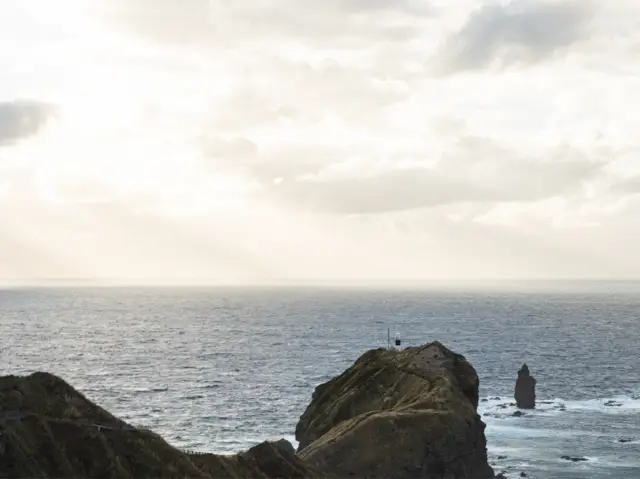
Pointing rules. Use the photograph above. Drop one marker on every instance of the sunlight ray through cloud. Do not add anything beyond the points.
(258, 140)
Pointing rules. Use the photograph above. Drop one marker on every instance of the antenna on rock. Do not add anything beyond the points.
(388, 338)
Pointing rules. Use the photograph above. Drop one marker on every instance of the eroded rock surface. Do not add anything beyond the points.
(409, 413)
(525, 391)
(48, 429)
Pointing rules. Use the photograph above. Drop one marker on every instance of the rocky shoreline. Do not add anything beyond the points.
(392, 414)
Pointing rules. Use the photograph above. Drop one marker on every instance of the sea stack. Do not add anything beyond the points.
(525, 393)
(397, 414)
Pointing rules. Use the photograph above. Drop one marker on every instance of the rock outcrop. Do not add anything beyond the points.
(393, 414)
(267, 460)
(48, 429)
(525, 391)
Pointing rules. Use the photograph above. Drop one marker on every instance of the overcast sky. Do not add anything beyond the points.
(247, 140)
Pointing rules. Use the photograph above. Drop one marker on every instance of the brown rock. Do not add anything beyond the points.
(525, 391)
(48, 429)
(267, 460)
(409, 413)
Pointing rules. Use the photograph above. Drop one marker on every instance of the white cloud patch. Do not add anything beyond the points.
(249, 22)
(476, 171)
(21, 119)
(517, 32)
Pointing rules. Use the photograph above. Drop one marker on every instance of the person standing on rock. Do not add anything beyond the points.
(525, 393)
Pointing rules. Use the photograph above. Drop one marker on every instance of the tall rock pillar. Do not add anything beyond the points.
(525, 393)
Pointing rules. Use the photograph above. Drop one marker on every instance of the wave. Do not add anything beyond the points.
(502, 408)
(602, 433)
(151, 390)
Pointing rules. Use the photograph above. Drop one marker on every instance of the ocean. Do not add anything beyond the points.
(221, 369)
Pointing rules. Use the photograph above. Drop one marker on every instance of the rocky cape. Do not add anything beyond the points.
(409, 413)
(48, 429)
(397, 414)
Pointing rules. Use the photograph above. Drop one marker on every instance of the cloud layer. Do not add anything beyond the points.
(250, 140)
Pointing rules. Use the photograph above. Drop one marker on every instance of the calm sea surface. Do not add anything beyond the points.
(220, 369)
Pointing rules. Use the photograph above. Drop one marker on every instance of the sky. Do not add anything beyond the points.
(251, 141)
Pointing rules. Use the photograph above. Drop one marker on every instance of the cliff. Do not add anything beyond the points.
(392, 414)
(48, 429)
(409, 413)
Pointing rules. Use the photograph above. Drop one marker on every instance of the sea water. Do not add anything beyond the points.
(221, 369)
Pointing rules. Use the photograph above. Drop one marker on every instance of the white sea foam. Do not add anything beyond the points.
(505, 408)
(590, 429)
(612, 405)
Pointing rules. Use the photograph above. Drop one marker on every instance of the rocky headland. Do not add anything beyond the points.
(409, 413)
(48, 429)
(392, 414)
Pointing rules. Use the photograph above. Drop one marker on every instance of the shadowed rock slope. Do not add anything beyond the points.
(393, 414)
(48, 429)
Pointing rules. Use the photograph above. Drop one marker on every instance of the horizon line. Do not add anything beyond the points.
(294, 282)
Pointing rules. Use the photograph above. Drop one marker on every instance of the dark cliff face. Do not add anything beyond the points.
(409, 413)
(48, 429)
(267, 460)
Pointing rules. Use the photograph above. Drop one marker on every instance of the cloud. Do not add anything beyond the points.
(236, 137)
(306, 93)
(203, 22)
(234, 150)
(413, 7)
(476, 170)
(269, 165)
(518, 32)
(349, 22)
(21, 118)
(627, 186)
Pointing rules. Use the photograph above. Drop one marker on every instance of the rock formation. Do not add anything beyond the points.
(48, 429)
(525, 392)
(393, 414)
(267, 460)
